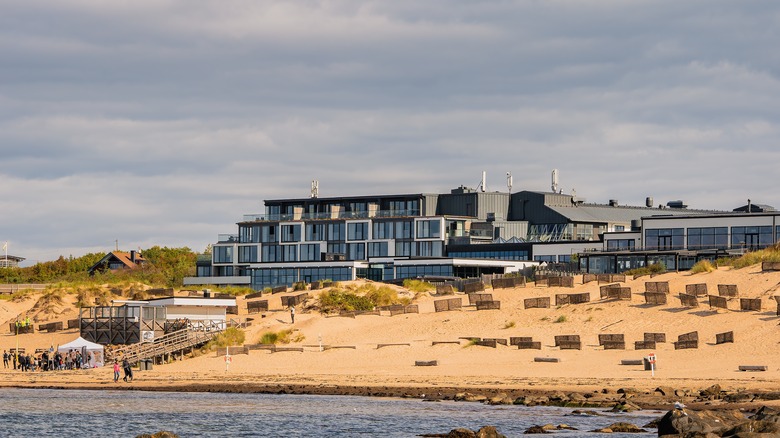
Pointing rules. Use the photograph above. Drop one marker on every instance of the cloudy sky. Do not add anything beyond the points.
(163, 122)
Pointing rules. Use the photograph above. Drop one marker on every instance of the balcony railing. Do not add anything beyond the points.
(227, 238)
(333, 215)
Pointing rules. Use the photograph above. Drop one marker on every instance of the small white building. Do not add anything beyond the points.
(206, 310)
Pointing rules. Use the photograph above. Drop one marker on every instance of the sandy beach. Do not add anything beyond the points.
(367, 368)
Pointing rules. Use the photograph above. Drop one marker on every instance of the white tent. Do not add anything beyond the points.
(85, 347)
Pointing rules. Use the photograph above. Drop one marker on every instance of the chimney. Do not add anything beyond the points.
(749, 207)
(132, 256)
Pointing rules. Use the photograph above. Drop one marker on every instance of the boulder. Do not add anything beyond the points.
(677, 422)
(665, 391)
(754, 427)
(489, 432)
(576, 397)
(711, 392)
(536, 429)
(500, 399)
(766, 413)
(625, 406)
(621, 428)
(461, 433)
(160, 434)
(484, 432)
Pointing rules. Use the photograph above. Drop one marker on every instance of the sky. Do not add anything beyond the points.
(141, 123)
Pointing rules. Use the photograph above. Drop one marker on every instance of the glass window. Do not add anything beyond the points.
(310, 252)
(708, 238)
(291, 233)
(247, 254)
(403, 249)
(336, 231)
(356, 251)
(290, 253)
(271, 253)
(377, 249)
(357, 231)
(268, 234)
(428, 229)
(382, 230)
(403, 230)
(337, 248)
(620, 244)
(222, 254)
(428, 249)
(545, 258)
(314, 232)
(751, 238)
(665, 238)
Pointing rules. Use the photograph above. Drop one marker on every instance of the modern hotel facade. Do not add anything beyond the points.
(469, 232)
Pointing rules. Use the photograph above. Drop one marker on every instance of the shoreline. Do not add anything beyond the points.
(576, 394)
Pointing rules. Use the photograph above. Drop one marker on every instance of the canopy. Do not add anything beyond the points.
(78, 344)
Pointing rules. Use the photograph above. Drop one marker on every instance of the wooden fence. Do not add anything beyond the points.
(448, 304)
(655, 298)
(657, 286)
(728, 290)
(688, 300)
(544, 303)
(699, 289)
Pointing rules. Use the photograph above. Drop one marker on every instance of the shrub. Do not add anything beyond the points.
(337, 300)
(771, 254)
(655, 268)
(229, 337)
(560, 319)
(282, 337)
(299, 285)
(509, 325)
(418, 285)
(702, 266)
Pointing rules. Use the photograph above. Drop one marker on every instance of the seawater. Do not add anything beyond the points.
(108, 413)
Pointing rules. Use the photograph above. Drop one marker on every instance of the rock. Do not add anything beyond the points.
(536, 429)
(461, 433)
(754, 427)
(711, 392)
(489, 432)
(665, 391)
(620, 428)
(653, 424)
(576, 397)
(565, 427)
(766, 413)
(740, 397)
(586, 413)
(558, 398)
(500, 399)
(625, 406)
(685, 422)
(469, 397)
(536, 401)
(628, 391)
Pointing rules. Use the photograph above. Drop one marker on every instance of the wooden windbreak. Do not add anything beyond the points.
(728, 290)
(562, 299)
(476, 286)
(699, 289)
(448, 304)
(655, 298)
(563, 281)
(750, 304)
(655, 337)
(257, 306)
(474, 298)
(770, 266)
(444, 289)
(657, 286)
(488, 305)
(718, 302)
(294, 300)
(543, 303)
(688, 300)
(508, 282)
(722, 338)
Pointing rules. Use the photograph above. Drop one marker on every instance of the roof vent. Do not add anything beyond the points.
(676, 204)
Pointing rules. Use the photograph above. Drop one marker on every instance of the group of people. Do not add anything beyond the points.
(47, 360)
(127, 368)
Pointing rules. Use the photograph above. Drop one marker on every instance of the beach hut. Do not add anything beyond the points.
(90, 350)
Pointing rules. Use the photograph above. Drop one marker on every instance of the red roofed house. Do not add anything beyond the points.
(117, 260)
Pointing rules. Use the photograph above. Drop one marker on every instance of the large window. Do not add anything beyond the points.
(403, 230)
(403, 249)
(272, 253)
(497, 255)
(545, 258)
(356, 251)
(222, 254)
(429, 249)
(382, 230)
(708, 238)
(314, 232)
(269, 277)
(620, 244)
(336, 231)
(419, 271)
(310, 252)
(291, 233)
(268, 234)
(664, 238)
(377, 249)
(357, 231)
(337, 248)
(290, 253)
(247, 254)
(751, 238)
(428, 229)
(249, 233)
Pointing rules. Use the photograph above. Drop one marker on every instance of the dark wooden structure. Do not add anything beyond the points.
(561, 299)
(508, 282)
(728, 290)
(655, 337)
(488, 305)
(562, 281)
(688, 300)
(722, 338)
(257, 306)
(750, 304)
(448, 304)
(655, 298)
(474, 298)
(657, 286)
(121, 324)
(568, 342)
(544, 303)
(770, 266)
(699, 289)
(476, 286)
(718, 302)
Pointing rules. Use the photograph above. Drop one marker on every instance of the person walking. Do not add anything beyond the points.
(292, 314)
(6, 356)
(116, 371)
(128, 371)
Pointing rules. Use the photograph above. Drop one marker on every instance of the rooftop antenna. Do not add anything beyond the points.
(509, 182)
(554, 185)
(315, 188)
(483, 184)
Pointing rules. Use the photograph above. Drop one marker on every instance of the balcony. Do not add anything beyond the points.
(333, 215)
(227, 238)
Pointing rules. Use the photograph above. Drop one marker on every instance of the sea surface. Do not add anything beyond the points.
(106, 413)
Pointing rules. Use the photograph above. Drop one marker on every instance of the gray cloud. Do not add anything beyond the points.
(164, 122)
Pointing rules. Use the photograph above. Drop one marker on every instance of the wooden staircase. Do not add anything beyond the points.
(166, 345)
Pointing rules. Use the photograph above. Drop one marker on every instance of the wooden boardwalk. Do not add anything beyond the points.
(177, 342)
